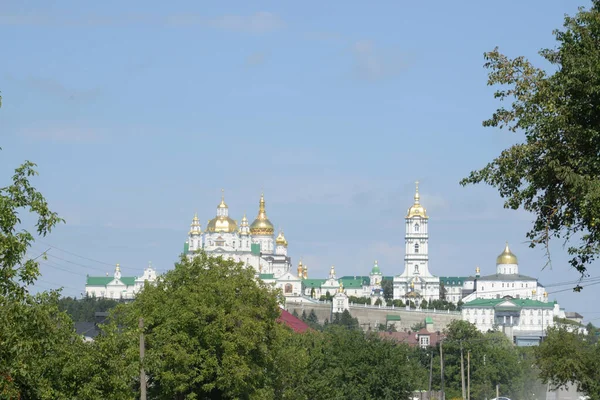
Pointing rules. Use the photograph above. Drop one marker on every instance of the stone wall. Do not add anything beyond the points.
(372, 316)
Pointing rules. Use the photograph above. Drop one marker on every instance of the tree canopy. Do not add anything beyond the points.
(568, 357)
(554, 172)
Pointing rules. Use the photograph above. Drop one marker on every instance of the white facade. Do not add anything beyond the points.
(118, 287)
(416, 283)
(254, 245)
(523, 320)
(506, 282)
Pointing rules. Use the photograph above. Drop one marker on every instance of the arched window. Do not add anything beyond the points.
(416, 247)
(288, 288)
(416, 227)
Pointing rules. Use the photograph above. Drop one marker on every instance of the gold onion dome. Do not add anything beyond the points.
(262, 225)
(507, 257)
(417, 210)
(281, 240)
(222, 222)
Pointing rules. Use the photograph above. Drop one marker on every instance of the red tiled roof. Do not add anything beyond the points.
(296, 324)
(411, 338)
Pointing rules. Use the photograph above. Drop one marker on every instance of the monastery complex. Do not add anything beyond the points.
(505, 298)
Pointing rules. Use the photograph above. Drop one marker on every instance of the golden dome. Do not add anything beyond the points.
(300, 270)
(281, 239)
(507, 257)
(262, 225)
(221, 224)
(417, 210)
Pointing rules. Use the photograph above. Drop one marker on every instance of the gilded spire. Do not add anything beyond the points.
(222, 204)
(305, 272)
(300, 270)
(417, 196)
(262, 225)
(417, 210)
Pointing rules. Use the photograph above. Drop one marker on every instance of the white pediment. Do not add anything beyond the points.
(507, 303)
(288, 277)
(116, 282)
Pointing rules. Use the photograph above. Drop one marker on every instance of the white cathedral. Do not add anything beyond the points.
(254, 244)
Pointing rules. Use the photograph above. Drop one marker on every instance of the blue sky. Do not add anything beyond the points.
(138, 113)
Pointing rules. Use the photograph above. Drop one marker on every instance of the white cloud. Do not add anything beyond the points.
(256, 58)
(259, 22)
(373, 63)
(61, 134)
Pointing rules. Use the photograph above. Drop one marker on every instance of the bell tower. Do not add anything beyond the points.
(416, 259)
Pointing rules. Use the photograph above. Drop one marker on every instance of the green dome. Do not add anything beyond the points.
(375, 270)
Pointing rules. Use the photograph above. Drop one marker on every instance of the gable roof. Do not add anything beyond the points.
(105, 280)
(296, 324)
(266, 276)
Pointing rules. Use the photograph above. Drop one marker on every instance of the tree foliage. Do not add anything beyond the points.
(555, 171)
(210, 330)
(16, 273)
(84, 309)
(567, 357)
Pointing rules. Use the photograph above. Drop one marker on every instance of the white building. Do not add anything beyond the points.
(118, 287)
(254, 245)
(524, 321)
(416, 283)
(505, 282)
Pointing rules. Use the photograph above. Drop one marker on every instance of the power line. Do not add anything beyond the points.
(84, 257)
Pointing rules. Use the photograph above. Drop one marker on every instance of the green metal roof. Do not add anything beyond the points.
(186, 248)
(313, 283)
(105, 280)
(255, 248)
(354, 283)
(392, 317)
(518, 303)
(453, 280)
(428, 320)
(266, 276)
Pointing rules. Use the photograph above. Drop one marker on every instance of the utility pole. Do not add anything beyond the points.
(442, 394)
(142, 351)
(462, 370)
(497, 390)
(430, 372)
(469, 375)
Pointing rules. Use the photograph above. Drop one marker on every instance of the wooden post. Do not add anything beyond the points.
(469, 375)
(142, 351)
(442, 394)
(462, 371)
(430, 373)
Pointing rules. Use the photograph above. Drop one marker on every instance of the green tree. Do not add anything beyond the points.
(37, 341)
(566, 357)
(84, 309)
(17, 272)
(312, 318)
(37, 344)
(211, 331)
(388, 289)
(554, 172)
